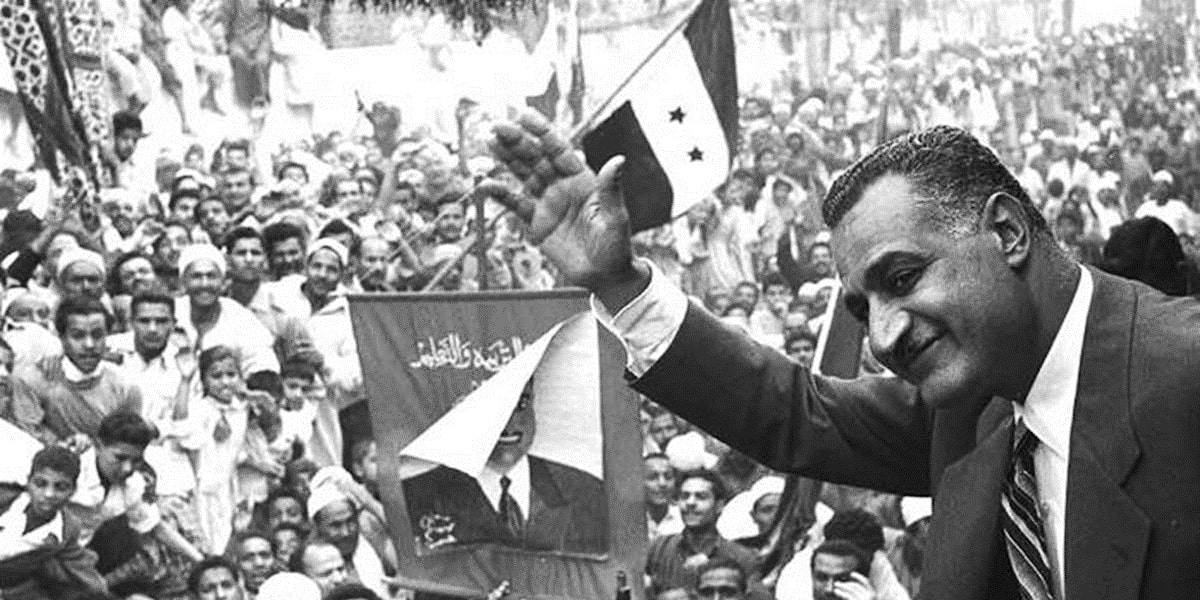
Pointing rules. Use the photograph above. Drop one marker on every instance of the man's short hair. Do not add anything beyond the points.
(725, 563)
(774, 279)
(276, 233)
(184, 193)
(451, 197)
(80, 306)
(298, 368)
(152, 297)
(209, 563)
(720, 492)
(249, 534)
(58, 459)
(656, 455)
(948, 167)
(241, 232)
(126, 427)
(858, 527)
(290, 164)
(124, 120)
(351, 591)
(337, 227)
(845, 548)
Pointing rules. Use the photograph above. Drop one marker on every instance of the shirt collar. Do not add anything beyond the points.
(1049, 407)
(74, 374)
(519, 488)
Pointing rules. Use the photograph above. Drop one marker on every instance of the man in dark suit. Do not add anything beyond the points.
(518, 500)
(1050, 409)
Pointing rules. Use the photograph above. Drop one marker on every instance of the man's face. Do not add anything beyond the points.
(372, 264)
(286, 542)
(287, 257)
(82, 279)
(449, 222)
(338, 525)
(84, 340)
(49, 491)
(349, 195)
(827, 571)
(764, 511)
(247, 260)
(746, 295)
(821, 259)
(698, 504)
(125, 143)
(325, 565)
(660, 481)
(802, 350)
(256, 561)
(779, 295)
(214, 218)
(203, 282)
(152, 325)
(116, 461)
(30, 309)
(137, 275)
(285, 510)
(218, 583)
(518, 433)
(663, 427)
(185, 208)
(720, 584)
(235, 190)
(794, 322)
(367, 467)
(324, 271)
(173, 241)
(946, 314)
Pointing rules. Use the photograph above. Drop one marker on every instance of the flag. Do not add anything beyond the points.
(555, 46)
(839, 347)
(675, 121)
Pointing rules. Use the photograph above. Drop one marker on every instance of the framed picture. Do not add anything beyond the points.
(508, 442)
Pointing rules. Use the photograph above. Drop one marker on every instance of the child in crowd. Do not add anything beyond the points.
(297, 410)
(231, 456)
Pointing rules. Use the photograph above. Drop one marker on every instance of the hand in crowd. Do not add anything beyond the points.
(858, 587)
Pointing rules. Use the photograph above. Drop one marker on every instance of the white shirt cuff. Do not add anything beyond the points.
(648, 324)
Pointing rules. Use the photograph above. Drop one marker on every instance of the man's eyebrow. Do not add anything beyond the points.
(877, 270)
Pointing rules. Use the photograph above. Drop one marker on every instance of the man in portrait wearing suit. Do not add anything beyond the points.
(518, 500)
(1050, 409)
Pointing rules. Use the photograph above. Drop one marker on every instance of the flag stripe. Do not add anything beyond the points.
(710, 35)
(644, 178)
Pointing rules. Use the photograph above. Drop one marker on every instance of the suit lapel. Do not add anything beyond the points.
(1107, 535)
(965, 529)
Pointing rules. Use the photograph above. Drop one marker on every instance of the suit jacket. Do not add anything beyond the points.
(567, 511)
(1132, 525)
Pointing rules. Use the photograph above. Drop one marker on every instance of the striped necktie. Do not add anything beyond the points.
(510, 512)
(1024, 533)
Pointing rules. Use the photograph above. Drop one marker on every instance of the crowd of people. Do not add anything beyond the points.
(183, 366)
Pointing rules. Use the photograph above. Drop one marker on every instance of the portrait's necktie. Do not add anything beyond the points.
(1024, 534)
(510, 511)
(222, 431)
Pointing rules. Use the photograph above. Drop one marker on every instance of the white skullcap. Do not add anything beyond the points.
(686, 453)
(326, 488)
(1162, 176)
(771, 484)
(289, 586)
(1047, 135)
(332, 245)
(913, 509)
(71, 256)
(198, 252)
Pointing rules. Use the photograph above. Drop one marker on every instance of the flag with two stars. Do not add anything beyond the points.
(676, 121)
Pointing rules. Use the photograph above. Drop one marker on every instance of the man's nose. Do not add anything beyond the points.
(886, 324)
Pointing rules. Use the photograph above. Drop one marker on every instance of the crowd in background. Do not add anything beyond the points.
(183, 363)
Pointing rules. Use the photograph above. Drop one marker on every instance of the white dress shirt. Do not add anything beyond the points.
(518, 488)
(1048, 413)
(649, 323)
(15, 541)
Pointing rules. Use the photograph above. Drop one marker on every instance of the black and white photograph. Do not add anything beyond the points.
(599, 300)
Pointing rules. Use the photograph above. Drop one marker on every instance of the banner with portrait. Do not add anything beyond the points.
(508, 442)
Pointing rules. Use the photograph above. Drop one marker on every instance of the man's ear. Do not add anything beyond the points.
(1005, 218)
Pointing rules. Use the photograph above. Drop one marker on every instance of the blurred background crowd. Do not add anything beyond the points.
(188, 341)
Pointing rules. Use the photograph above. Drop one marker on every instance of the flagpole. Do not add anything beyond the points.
(587, 123)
